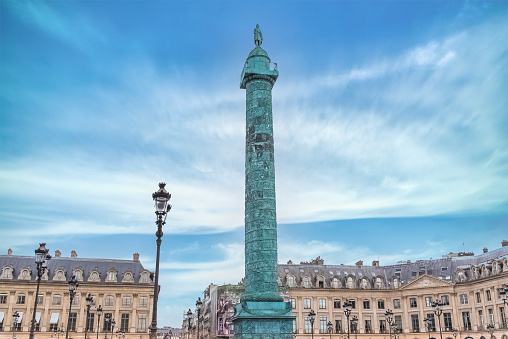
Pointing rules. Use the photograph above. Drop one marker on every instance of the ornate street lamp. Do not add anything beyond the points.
(112, 327)
(189, 316)
(89, 302)
(389, 320)
(348, 306)
(428, 324)
(438, 310)
(354, 322)
(107, 320)
(490, 329)
(312, 317)
(15, 317)
(199, 303)
(329, 327)
(73, 285)
(455, 332)
(161, 198)
(99, 313)
(41, 256)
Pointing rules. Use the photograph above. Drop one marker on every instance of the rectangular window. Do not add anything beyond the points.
(306, 303)
(463, 299)
(2, 315)
(338, 325)
(124, 324)
(53, 321)
(21, 298)
(109, 300)
(428, 301)
(57, 299)
(398, 322)
(142, 322)
(382, 326)
(90, 322)
(40, 299)
(37, 322)
(489, 296)
(480, 318)
(366, 304)
(106, 327)
(353, 303)
(381, 304)
(447, 321)
(307, 325)
(491, 316)
(143, 301)
(396, 304)
(322, 325)
(293, 303)
(294, 326)
(20, 319)
(126, 301)
(72, 321)
(478, 298)
(75, 301)
(368, 326)
(445, 300)
(322, 303)
(336, 303)
(3, 298)
(412, 302)
(353, 326)
(466, 321)
(415, 324)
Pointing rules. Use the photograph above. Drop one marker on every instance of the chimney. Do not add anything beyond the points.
(135, 257)
(375, 263)
(485, 250)
(74, 254)
(58, 254)
(359, 263)
(9, 251)
(504, 243)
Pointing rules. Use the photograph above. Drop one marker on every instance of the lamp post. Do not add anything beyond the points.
(490, 329)
(389, 320)
(73, 285)
(354, 322)
(161, 198)
(329, 326)
(189, 315)
(99, 313)
(428, 324)
(455, 332)
(15, 317)
(312, 317)
(112, 327)
(89, 302)
(199, 303)
(41, 256)
(438, 310)
(107, 319)
(347, 311)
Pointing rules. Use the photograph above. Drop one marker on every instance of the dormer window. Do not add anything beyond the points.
(111, 276)
(78, 274)
(7, 272)
(291, 281)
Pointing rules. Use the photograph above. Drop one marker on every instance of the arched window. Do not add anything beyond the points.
(335, 283)
(306, 282)
(291, 281)
(111, 277)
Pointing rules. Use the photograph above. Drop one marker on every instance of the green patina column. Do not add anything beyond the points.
(261, 312)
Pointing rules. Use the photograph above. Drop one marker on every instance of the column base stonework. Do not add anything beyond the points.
(263, 320)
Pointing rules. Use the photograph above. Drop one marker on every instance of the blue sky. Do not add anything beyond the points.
(390, 123)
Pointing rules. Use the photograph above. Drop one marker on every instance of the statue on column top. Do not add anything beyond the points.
(258, 37)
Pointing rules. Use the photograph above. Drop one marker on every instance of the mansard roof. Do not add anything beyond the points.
(444, 269)
(86, 265)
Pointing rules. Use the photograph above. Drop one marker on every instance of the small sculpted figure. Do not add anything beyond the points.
(258, 37)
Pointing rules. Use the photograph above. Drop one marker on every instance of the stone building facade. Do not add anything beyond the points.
(124, 289)
(467, 284)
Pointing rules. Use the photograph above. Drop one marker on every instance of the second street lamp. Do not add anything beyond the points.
(389, 320)
(41, 256)
(189, 316)
(73, 285)
(354, 322)
(329, 327)
(89, 302)
(438, 310)
(15, 317)
(347, 311)
(312, 317)
(490, 329)
(161, 198)
(99, 312)
(428, 323)
(199, 303)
